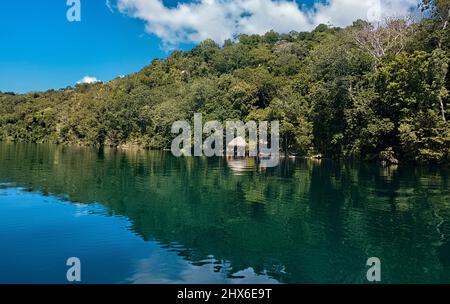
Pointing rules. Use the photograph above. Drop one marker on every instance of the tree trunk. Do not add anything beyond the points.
(443, 28)
(442, 108)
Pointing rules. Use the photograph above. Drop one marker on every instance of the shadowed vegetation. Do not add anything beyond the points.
(368, 91)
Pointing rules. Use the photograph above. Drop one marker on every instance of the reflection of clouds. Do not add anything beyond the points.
(87, 209)
(7, 184)
(250, 277)
(80, 210)
(164, 267)
(94, 208)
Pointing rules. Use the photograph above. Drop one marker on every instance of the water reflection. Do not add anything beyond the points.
(223, 220)
(156, 269)
(241, 165)
(37, 248)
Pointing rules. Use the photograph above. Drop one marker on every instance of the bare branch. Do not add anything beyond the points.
(381, 38)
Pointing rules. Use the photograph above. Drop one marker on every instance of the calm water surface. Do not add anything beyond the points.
(148, 217)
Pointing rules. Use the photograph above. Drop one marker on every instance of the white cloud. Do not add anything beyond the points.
(109, 5)
(225, 19)
(87, 79)
(344, 12)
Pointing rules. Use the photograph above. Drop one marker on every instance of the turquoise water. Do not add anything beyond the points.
(148, 217)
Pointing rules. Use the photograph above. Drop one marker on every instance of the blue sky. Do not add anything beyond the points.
(41, 50)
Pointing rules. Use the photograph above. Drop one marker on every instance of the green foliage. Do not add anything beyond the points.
(329, 92)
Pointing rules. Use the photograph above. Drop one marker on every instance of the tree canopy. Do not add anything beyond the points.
(368, 91)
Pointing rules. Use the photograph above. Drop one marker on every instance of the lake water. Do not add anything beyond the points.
(148, 217)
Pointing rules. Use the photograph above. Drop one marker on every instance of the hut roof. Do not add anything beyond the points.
(238, 141)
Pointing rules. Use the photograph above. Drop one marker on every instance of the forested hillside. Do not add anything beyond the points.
(368, 91)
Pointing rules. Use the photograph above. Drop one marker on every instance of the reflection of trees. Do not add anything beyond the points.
(301, 221)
